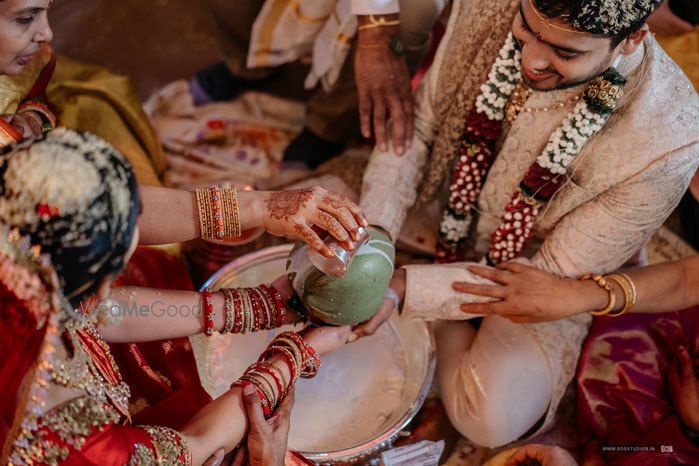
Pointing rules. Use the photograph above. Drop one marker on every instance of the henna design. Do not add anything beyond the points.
(331, 224)
(337, 201)
(285, 204)
(307, 235)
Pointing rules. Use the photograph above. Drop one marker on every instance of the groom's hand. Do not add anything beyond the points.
(383, 87)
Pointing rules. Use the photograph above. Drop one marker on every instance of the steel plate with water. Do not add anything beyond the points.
(365, 393)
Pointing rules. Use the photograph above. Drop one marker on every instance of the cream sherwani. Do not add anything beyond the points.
(498, 382)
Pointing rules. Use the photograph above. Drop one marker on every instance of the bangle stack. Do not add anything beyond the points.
(269, 381)
(219, 215)
(246, 310)
(48, 119)
(627, 286)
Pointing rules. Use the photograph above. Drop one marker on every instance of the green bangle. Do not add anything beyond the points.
(397, 45)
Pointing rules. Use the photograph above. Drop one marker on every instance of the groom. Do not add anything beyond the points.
(554, 130)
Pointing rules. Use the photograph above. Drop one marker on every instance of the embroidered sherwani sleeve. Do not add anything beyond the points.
(602, 234)
(391, 182)
(597, 237)
(375, 7)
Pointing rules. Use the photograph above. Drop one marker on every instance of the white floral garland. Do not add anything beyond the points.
(579, 126)
(568, 139)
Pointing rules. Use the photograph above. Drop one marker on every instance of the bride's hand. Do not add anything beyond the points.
(283, 286)
(296, 214)
(326, 339)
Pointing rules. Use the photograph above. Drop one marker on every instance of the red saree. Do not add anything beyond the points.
(94, 427)
(623, 400)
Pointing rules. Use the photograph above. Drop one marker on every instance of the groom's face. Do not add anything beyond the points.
(554, 54)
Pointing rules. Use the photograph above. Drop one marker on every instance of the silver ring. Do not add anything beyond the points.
(393, 296)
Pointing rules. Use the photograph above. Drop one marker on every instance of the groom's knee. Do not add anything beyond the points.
(495, 404)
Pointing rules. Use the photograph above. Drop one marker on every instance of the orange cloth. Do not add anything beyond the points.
(684, 50)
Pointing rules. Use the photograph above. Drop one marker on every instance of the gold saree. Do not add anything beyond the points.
(88, 98)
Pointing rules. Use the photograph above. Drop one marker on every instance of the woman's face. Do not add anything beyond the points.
(24, 26)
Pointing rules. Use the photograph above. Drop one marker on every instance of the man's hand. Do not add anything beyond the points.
(684, 388)
(267, 439)
(542, 454)
(383, 85)
(28, 124)
(216, 459)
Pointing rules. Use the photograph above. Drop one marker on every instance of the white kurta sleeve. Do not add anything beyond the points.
(375, 7)
(428, 292)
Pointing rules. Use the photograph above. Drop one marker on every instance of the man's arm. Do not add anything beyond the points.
(391, 182)
(597, 237)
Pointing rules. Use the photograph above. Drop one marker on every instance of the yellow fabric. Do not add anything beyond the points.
(90, 98)
(684, 50)
(13, 89)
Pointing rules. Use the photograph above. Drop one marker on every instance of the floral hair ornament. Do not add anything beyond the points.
(47, 211)
(605, 17)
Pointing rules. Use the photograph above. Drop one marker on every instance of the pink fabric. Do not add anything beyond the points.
(623, 398)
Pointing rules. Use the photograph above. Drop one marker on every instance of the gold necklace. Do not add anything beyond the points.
(516, 103)
(519, 98)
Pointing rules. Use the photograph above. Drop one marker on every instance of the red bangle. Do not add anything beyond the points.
(261, 366)
(256, 309)
(263, 400)
(279, 307)
(265, 311)
(208, 312)
(217, 204)
(237, 311)
(285, 353)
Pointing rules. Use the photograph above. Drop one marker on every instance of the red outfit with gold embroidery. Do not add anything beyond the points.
(93, 428)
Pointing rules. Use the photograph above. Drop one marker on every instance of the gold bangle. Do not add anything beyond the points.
(229, 319)
(378, 23)
(231, 213)
(604, 284)
(201, 210)
(629, 289)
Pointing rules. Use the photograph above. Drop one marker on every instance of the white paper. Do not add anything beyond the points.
(423, 453)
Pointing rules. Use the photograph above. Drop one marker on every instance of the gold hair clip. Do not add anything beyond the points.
(550, 23)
